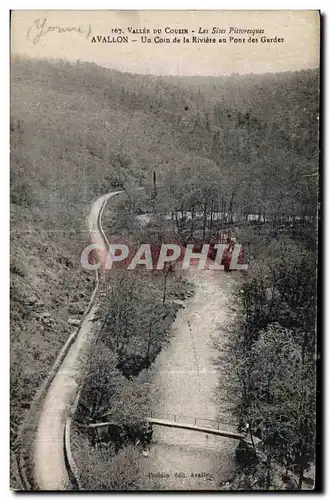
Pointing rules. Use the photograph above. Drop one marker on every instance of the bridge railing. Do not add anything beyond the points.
(193, 420)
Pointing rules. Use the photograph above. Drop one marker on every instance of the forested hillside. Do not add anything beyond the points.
(240, 144)
(111, 127)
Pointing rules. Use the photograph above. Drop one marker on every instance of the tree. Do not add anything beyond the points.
(279, 402)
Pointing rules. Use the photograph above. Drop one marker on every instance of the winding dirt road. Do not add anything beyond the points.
(50, 468)
(185, 385)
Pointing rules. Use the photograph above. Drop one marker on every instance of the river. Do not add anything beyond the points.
(185, 384)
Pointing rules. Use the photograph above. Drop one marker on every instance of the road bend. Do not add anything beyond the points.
(50, 467)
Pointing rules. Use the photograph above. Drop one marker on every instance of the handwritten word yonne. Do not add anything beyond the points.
(40, 28)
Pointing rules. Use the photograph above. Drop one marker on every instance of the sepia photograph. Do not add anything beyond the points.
(164, 221)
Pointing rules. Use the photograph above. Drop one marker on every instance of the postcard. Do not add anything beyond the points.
(164, 248)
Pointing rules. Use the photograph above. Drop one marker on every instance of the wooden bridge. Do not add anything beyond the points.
(213, 429)
(197, 428)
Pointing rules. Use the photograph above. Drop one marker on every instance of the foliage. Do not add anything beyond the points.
(103, 469)
(273, 350)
